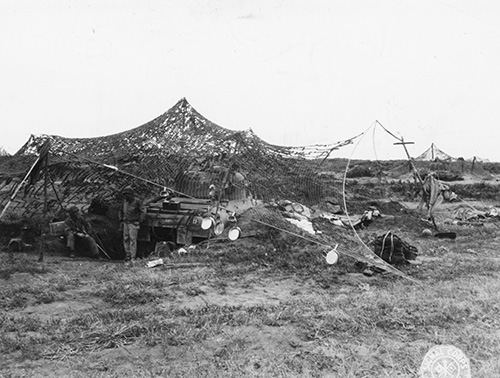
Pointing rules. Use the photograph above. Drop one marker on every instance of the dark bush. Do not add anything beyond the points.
(449, 176)
(492, 167)
(478, 191)
(360, 171)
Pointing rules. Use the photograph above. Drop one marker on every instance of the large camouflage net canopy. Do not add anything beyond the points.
(180, 149)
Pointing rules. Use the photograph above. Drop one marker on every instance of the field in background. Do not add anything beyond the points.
(261, 306)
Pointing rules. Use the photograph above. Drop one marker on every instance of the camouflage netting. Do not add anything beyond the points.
(181, 150)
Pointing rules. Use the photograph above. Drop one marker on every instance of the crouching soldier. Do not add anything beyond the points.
(131, 215)
(77, 229)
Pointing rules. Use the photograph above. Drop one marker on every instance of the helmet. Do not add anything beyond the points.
(165, 192)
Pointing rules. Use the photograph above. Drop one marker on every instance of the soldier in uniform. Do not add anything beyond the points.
(131, 214)
(77, 229)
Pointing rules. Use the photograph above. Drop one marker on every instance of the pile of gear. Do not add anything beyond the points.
(392, 249)
(468, 214)
(302, 216)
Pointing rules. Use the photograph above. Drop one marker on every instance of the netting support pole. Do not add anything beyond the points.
(13, 196)
(410, 160)
(55, 192)
(417, 175)
(45, 183)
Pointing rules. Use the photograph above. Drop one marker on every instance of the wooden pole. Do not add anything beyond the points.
(45, 183)
(13, 196)
(415, 172)
(43, 245)
(414, 169)
(417, 175)
(55, 192)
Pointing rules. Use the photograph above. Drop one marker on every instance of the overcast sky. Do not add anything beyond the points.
(296, 72)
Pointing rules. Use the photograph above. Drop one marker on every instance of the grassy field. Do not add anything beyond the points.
(247, 309)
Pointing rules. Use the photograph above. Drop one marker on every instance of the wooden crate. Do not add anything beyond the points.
(57, 228)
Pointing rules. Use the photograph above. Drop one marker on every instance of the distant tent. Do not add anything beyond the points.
(433, 153)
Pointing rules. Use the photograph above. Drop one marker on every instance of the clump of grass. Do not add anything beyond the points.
(134, 288)
(223, 355)
(20, 296)
(118, 294)
(46, 296)
(30, 347)
(13, 301)
(457, 268)
(96, 330)
(19, 323)
(193, 291)
(214, 316)
(10, 266)
(64, 282)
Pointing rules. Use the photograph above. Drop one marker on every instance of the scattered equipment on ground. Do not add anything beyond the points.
(393, 249)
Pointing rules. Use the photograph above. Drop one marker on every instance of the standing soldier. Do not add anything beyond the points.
(130, 217)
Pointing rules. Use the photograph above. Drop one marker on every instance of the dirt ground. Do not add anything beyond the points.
(247, 309)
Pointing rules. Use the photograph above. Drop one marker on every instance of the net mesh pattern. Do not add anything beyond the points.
(181, 150)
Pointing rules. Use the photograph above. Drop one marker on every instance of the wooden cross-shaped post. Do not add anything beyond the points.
(417, 175)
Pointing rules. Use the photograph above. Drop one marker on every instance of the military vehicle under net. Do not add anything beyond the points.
(182, 221)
